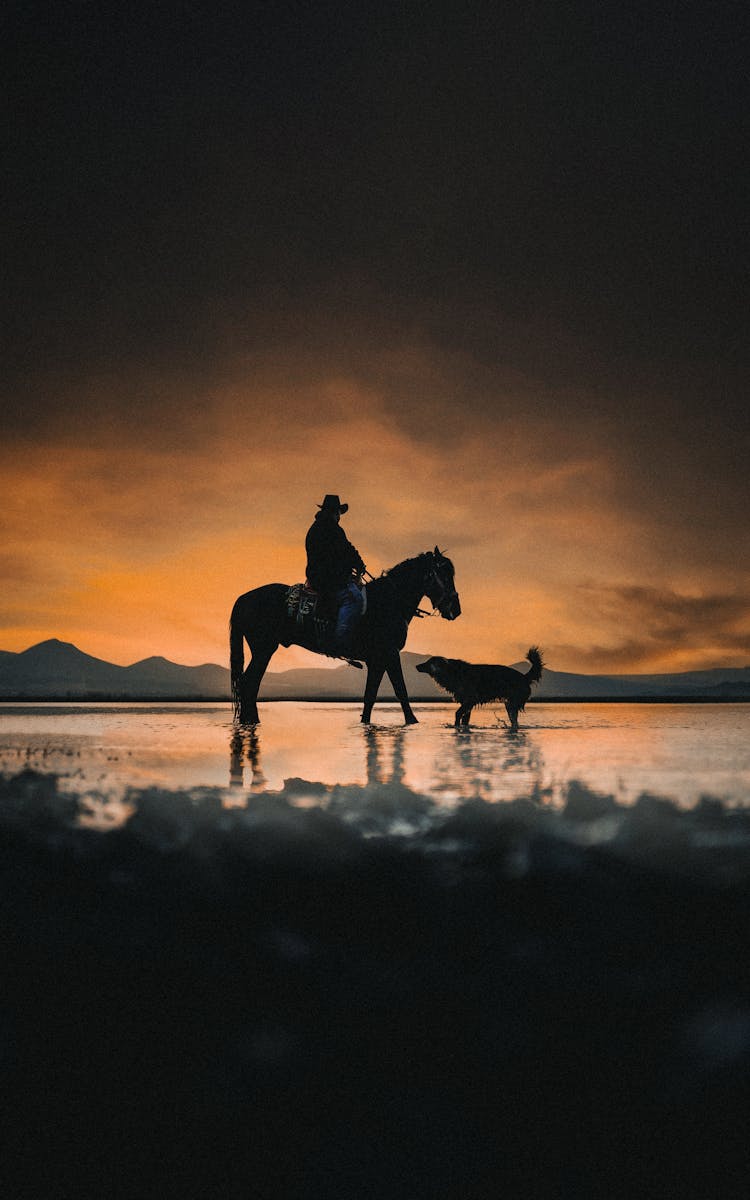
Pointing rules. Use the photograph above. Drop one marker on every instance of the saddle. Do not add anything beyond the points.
(312, 618)
(314, 622)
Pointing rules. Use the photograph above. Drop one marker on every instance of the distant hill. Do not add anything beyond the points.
(685, 685)
(59, 670)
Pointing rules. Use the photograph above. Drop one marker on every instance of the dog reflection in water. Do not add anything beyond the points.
(481, 683)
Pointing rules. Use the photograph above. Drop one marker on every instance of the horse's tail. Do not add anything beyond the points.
(236, 661)
(534, 656)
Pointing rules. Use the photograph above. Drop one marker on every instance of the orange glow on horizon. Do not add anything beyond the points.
(131, 548)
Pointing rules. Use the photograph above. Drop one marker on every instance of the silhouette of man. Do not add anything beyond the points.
(332, 564)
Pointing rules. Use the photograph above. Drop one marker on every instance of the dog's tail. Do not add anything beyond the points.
(534, 656)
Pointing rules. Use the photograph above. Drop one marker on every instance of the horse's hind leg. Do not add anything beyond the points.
(250, 682)
(512, 711)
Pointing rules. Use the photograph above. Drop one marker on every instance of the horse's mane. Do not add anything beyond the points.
(402, 567)
(397, 572)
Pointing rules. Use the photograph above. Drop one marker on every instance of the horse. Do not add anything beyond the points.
(261, 618)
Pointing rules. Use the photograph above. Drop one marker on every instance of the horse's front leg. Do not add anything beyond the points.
(374, 675)
(396, 676)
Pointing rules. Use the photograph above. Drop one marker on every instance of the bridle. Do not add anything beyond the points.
(431, 577)
(445, 593)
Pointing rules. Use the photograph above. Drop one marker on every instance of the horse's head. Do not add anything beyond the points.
(439, 586)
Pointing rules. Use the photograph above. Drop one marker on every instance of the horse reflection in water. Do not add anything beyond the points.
(244, 753)
(398, 786)
(385, 805)
(244, 749)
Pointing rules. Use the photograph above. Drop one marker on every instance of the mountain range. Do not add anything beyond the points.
(56, 670)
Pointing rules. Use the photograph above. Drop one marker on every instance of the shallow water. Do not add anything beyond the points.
(681, 752)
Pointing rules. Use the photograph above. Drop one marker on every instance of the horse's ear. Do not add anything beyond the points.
(436, 552)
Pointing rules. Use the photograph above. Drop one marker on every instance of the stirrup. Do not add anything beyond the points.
(353, 663)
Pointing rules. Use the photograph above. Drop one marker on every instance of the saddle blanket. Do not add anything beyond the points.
(302, 602)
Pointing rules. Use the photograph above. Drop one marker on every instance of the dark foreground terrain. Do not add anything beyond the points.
(364, 998)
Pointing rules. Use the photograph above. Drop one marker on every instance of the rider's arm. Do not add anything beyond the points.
(357, 563)
(348, 552)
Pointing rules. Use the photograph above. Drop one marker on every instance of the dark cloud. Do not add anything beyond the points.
(668, 622)
(513, 236)
(671, 615)
(572, 165)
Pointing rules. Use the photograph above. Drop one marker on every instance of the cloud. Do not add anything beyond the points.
(513, 329)
(661, 629)
(537, 492)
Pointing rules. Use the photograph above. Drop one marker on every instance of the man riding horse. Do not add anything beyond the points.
(262, 617)
(333, 569)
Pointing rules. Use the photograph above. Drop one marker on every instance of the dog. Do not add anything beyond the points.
(473, 683)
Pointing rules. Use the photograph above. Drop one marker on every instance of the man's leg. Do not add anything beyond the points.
(350, 607)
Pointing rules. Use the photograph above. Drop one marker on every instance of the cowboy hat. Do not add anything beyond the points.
(333, 504)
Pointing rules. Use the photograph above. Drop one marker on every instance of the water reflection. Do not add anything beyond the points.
(519, 756)
(492, 763)
(244, 750)
(489, 763)
(378, 742)
(678, 751)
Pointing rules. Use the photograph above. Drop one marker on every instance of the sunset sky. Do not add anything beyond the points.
(479, 268)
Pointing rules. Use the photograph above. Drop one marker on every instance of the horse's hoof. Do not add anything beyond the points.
(412, 720)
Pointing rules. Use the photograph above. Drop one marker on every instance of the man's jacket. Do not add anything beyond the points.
(331, 558)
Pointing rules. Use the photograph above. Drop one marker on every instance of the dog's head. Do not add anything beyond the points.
(433, 666)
